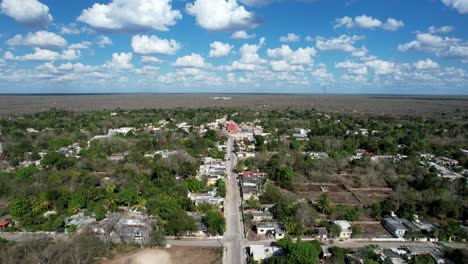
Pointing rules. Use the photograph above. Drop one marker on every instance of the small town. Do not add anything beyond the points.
(228, 187)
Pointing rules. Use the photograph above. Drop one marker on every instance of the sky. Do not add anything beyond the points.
(234, 46)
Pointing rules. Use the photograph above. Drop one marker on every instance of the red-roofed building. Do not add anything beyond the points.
(252, 173)
(232, 127)
(4, 224)
(365, 152)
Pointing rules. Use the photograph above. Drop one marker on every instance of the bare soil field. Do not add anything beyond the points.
(368, 230)
(342, 195)
(384, 105)
(174, 255)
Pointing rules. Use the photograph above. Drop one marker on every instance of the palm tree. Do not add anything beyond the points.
(290, 225)
(141, 204)
(40, 204)
(323, 204)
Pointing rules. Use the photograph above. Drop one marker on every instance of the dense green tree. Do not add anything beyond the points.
(215, 223)
(179, 223)
(221, 185)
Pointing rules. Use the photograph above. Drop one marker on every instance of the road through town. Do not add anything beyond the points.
(233, 252)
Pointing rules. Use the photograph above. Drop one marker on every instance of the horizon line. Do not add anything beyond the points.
(224, 93)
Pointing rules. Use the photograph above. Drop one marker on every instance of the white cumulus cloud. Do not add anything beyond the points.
(131, 16)
(219, 49)
(103, 41)
(150, 59)
(393, 24)
(41, 39)
(441, 30)
(381, 67)
(71, 29)
(440, 46)
(242, 34)
(30, 13)
(290, 37)
(460, 5)
(44, 55)
(250, 60)
(342, 43)
(221, 15)
(143, 44)
(80, 45)
(368, 22)
(426, 64)
(193, 60)
(299, 56)
(120, 61)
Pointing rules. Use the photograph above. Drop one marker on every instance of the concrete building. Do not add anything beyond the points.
(274, 229)
(122, 130)
(79, 220)
(261, 216)
(346, 230)
(321, 233)
(301, 134)
(394, 225)
(262, 252)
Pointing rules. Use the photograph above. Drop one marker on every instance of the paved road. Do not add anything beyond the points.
(359, 244)
(233, 252)
(195, 243)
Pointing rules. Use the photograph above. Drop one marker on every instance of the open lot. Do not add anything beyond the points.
(341, 195)
(370, 230)
(174, 255)
(18, 104)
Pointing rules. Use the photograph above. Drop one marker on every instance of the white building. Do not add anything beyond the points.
(261, 252)
(271, 228)
(122, 130)
(394, 225)
(346, 230)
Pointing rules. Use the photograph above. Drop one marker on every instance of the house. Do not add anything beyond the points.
(445, 172)
(245, 155)
(208, 198)
(202, 230)
(302, 134)
(321, 233)
(4, 224)
(394, 225)
(252, 173)
(317, 155)
(122, 130)
(106, 225)
(274, 229)
(248, 189)
(257, 252)
(80, 221)
(259, 216)
(346, 230)
(132, 229)
(394, 256)
(447, 162)
(262, 252)
(128, 226)
(250, 185)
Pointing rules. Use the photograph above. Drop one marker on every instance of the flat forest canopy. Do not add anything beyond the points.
(368, 104)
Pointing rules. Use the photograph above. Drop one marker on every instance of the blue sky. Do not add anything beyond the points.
(274, 46)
